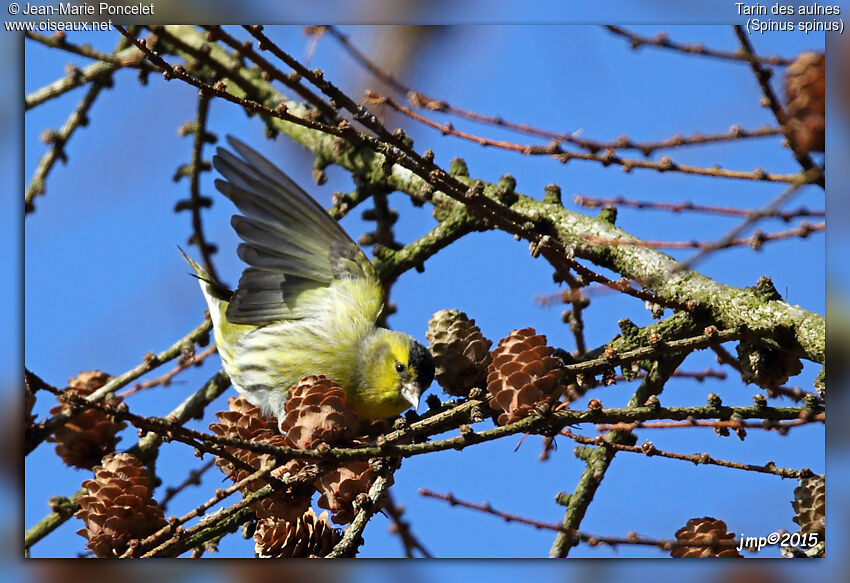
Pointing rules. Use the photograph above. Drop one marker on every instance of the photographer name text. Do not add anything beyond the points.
(103, 8)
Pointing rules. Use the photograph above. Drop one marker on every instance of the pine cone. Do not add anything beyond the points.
(705, 530)
(91, 434)
(460, 351)
(317, 412)
(119, 507)
(308, 536)
(805, 82)
(340, 487)
(522, 374)
(765, 366)
(244, 421)
(810, 505)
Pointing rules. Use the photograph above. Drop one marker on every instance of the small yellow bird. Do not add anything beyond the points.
(308, 302)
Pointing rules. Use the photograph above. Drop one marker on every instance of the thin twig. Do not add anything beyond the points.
(218, 33)
(193, 479)
(128, 57)
(676, 207)
(165, 379)
(572, 295)
(575, 535)
(219, 69)
(700, 375)
(609, 157)
(220, 90)
(166, 429)
(174, 522)
(622, 285)
(649, 450)
(778, 202)
(779, 426)
(352, 538)
(58, 140)
(59, 41)
(196, 201)
(401, 527)
(79, 117)
(661, 40)
(697, 375)
(755, 241)
(151, 361)
(724, 357)
(599, 460)
(763, 77)
(485, 507)
(573, 317)
(420, 100)
(793, 393)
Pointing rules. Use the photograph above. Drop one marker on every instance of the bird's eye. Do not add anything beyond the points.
(399, 367)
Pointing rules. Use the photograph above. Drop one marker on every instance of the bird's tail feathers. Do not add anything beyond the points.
(216, 293)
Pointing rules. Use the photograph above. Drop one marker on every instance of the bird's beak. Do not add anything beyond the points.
(411, 392)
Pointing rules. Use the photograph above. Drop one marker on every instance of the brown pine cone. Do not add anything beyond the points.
(317, 412)
(705, 530)
(88, 436)
(810, 505)
(244, 421)
(119, 506)
(805, 82)
(308, 536)
(340, 487)
(523, 373)
(461, 353)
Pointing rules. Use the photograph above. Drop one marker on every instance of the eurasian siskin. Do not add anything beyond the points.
(308, 302)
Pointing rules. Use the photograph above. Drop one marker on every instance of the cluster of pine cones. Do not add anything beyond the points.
(317, 415)
(521, 374)
(119, 509)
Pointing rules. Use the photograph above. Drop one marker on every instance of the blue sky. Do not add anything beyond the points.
(104, 282)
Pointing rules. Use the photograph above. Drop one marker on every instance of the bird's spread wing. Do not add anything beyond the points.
(294, 249)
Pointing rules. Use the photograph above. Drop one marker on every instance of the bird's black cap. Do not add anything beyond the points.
(423, 363)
